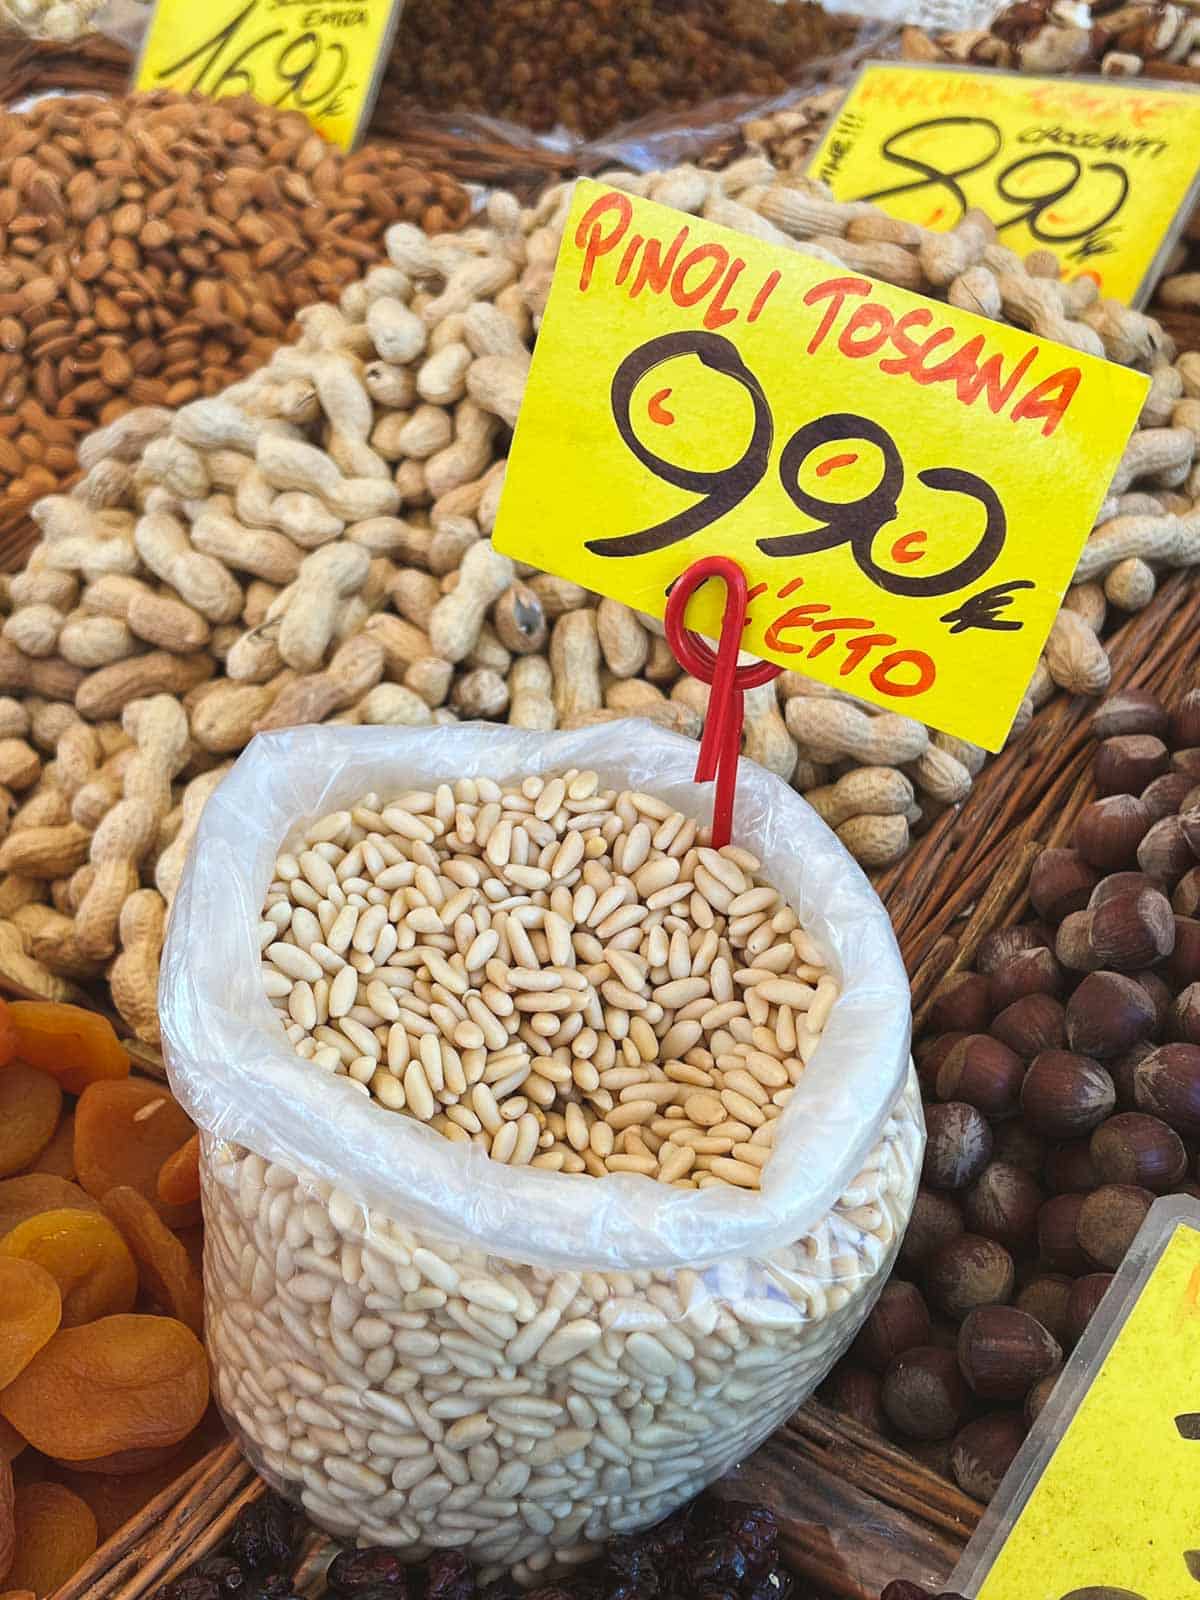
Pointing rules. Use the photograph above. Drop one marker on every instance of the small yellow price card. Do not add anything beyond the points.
(321, 57)
(1099, 171)
(906, 486)
(1102, 1502)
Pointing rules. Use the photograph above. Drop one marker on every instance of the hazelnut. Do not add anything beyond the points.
(1002, 1204)
(924, 1395)
(1108, 1220)
(1045, 1298)
(936, 1218)
(983, 1451)
(1184, 1019)
(1184, 725)
(1126, 763)
(1003, 944)
(958, 1144)
(1117, 884)
(984, 1073)
(899, 1320)
(1133, 1148)
(1166, 795)
(1164, 853)
(1167, 1085)
(1032, 1024)
(970, 1271)
(1073, 944)
(1182, 966)
(1107, 1015)
(930, 1054)
(1059, 1248)
(1159, 992)
(1109, 831)
(962, 1004)
(1066, 1095)
(1032, 972)
(1001, 1351)
(1016, 1143)
(1070, 1169)
(857, 1393)
(1185, 900)
(1086, 1294)
(1129, 711)
(1035, 1400)
(1133, 930)
(1059, 883)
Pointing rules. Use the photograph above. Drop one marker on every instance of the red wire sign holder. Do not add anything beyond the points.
(721, 744)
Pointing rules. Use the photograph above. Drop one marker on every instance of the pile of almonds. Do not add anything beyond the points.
(154, 248)
(1062, 1087)
(314, 544)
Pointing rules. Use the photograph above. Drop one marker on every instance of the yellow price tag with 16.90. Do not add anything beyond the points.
(320, 57)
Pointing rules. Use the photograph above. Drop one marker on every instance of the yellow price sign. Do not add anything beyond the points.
(906, 486)
(1098, 171)
(1113, 1513)
(320, 57)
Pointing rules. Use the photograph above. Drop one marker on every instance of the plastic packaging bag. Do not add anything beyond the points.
(650, 1335)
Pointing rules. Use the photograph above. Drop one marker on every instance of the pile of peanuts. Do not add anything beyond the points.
(155, 247)
(566, 976)
(52, 19)
(314, 544)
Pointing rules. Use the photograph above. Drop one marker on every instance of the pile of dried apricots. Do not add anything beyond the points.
(103, 1378)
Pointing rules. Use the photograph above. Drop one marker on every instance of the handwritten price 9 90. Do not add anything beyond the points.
(273, 63)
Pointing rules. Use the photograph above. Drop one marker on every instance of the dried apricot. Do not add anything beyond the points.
(124, 1463)
(8, 1034)
(30, 1103)
(56, 1533)
(58, 1158)
(30, 1311)
(8, 1537)
(123, 1383)
(34, 1192)
(11, 1442)
(85, 1255)
(76, 1046)
(164, 1270)
(179, 1175)
(123, 1134)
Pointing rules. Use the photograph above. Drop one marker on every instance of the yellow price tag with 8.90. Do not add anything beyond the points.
(323, 58)
(1099, 172)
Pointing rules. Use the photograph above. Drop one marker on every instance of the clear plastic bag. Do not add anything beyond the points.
(651, 1335)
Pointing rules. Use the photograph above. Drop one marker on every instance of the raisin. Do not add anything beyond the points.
(163, 1267)
(56, 1533)
(30, 1103)
(265, 1536)
(179, 1175)
(123, 1383)
(8, 1538)
(355, 1571)
(76, 1046)
(34, 1192)
(123, 1134)
(85, 1255)
(448, 1577)
(57, 1160)
(30, 1312)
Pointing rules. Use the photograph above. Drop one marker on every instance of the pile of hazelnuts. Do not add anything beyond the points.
(1062, 1095)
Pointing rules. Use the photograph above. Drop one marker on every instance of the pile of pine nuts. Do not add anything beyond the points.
(427, 1395)
(568, 977)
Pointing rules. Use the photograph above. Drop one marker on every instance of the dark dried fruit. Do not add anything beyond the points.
(448, 1577)
(265, 1536)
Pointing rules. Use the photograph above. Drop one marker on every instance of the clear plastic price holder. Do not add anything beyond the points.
(1100, 1502)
